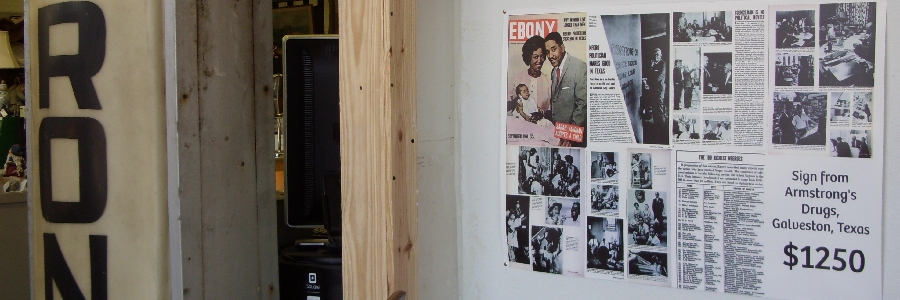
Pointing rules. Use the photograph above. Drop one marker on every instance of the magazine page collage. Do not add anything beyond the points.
(721, 147)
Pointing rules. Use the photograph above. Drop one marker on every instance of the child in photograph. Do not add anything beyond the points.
(525, 106)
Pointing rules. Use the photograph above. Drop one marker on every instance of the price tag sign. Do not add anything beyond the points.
(855, 256)
(823, 228)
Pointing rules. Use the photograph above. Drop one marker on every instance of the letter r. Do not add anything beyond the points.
(79, 67)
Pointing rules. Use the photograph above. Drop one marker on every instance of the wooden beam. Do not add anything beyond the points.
(226, 150)
(378, 150)
(264, 117)
(402, 18)
(189, 150)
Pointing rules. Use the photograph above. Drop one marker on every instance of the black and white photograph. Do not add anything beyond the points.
(851, 143)
(799, 118)
(641, 171)
(686, 78)
(647, 218)
(684, 127)
(794, 70)
(717, 75)
(546, 249)
(717, 127)
(605, 199)
(563, 211)
(565, 180)
(645, 85)
(517, 209)
(847, 44)
(703, 27)
(549, 171)
(840, 107)
(647, 263)
(534, 170)
(605, 249)
(862, 108)
(654, 108)
(605, 166)
(795, 29)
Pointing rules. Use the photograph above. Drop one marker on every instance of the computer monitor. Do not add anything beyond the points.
(312, 138)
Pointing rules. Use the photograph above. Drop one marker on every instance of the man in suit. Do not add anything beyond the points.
(571, 180)
(682, 34)
(688, 86)
(653, 101)
(708, 86)
(786, 125)
(725, 88)
(807, 72)
(863, 149)
(678, 81)
(714, 23)
(658, 207)
(656, 78)
(843, 149)
(568, 96)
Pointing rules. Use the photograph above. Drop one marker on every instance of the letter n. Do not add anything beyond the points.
(56, 269)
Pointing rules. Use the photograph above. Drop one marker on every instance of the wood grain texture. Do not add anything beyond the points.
(227, 151)
(403, 111)
(189, 179)
(226, 168)
(366, 211)
(378, 152)
(266, 210)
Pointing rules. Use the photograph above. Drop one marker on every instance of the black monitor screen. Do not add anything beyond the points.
(312, 117)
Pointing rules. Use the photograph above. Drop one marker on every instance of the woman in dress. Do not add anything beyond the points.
(538, 83)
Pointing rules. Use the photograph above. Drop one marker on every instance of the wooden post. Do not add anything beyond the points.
(225, 149)
(378, 150)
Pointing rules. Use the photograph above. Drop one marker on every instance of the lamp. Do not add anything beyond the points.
(7, 58)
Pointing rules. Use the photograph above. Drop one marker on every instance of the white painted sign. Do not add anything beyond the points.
(97, 142)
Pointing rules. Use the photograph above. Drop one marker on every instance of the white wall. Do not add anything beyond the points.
(481, 255)
(437, 156)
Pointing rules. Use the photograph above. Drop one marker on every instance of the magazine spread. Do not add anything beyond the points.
(719, 146)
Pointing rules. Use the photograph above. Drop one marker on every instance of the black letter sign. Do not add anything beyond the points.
(57, 270)
(80, 67)
(91, 138)
(88, 132)
(91, 169)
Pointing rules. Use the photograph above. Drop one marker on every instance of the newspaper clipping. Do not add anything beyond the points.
(719, 146)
